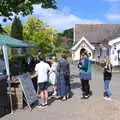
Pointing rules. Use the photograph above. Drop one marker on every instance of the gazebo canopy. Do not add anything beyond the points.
(12, 42)
(5, 42)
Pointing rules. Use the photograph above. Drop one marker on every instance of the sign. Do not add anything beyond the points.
(28, 89)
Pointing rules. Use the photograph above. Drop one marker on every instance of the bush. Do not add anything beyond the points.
(17, 65)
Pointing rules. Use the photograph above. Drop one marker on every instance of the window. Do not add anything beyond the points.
(118, 55)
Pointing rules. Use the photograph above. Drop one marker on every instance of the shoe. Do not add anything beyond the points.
(86, 96)
(57, 97)
(105, 98)
(54, 94)
(64, 98)
(109, 99)
(68, 96)
(45, 104)
(40, 106)
(82, 97)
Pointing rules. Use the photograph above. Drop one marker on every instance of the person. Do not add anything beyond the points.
(63, 78)
(2, 66)
(52, 75)
(85, 75)
(107, 78)
(42, 70)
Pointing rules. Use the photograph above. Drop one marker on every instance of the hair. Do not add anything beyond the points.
(85, 53)
(89, 54)
(41, 57)
(64, 56)
(107, 61)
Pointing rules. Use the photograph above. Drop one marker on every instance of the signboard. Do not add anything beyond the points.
(28, 89)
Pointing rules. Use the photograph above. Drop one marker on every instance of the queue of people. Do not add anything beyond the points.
(58, 75)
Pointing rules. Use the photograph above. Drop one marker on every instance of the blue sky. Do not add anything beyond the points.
(71, 12)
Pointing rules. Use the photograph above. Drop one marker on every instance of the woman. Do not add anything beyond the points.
(107, 78)
(85, 75)
(63, 78)
(52, 75)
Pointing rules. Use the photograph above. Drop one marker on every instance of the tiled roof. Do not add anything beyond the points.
(96, 33)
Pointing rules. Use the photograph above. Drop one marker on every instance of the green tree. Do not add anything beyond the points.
(7, 30)
(16, 32)
(68, 33)
(25, 7)
(65, 39)
(17, 29)
(40, 34)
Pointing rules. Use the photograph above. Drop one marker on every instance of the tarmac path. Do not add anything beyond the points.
(94, 108)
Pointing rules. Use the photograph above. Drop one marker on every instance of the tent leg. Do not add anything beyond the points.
(10, 95)
(5, 54)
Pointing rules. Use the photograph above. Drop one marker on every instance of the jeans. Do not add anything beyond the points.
(107, 91)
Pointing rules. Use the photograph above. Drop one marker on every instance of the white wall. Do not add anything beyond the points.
(114, 54)
(76, 54)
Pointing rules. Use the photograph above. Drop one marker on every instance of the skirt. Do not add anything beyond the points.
(63, 86)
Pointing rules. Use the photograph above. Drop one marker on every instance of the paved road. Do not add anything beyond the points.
(95, 108)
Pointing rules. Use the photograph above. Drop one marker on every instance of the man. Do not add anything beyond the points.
(42, 70)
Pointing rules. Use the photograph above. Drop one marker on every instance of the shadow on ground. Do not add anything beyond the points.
(75, 85)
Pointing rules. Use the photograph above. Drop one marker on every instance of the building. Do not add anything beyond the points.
(101, 40)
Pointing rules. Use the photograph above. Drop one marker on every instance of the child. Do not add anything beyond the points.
(107, 79)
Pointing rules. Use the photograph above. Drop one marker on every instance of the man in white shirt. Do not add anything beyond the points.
(42, 69)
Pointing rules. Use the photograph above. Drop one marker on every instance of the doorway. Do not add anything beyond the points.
(82, 51)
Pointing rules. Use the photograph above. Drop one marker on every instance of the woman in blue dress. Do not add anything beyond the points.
(63, 78)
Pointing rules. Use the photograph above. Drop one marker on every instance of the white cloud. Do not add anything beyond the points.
(61, 20)
(113, 13)
(113, 17)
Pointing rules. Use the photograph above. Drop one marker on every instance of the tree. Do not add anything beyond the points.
(65, 39)
(2, 31)
(40, 34)
(7, 30)
(25, 7)
(68, 33)
(17, 29)
(16, 32)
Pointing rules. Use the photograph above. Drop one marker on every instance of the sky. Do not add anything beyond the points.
(71, 12)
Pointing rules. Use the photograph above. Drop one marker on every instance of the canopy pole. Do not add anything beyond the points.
(5, 54)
